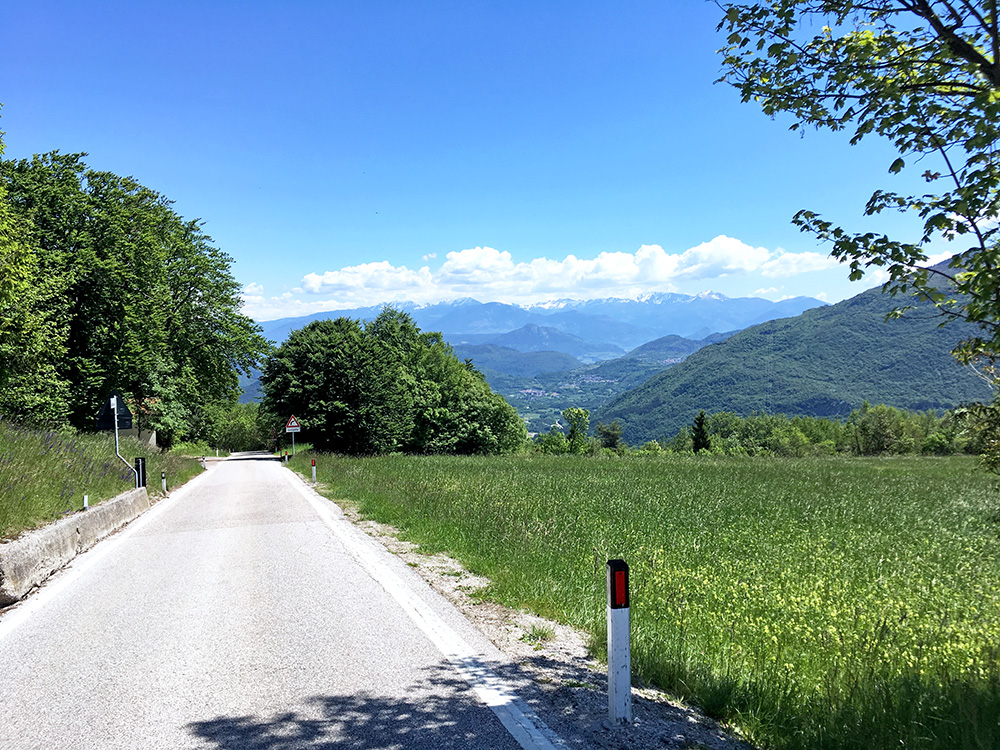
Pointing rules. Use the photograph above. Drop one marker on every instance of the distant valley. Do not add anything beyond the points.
(654, 363)
(544, 358)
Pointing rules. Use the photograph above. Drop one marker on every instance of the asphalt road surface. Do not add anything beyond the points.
(244, 612)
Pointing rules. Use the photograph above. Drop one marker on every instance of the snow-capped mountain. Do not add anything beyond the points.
(626, 323)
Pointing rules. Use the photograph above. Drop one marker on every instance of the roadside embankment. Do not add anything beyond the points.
(31, 558)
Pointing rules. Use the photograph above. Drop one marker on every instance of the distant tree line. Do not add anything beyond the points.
(385, 386)
(103, 287)
(868, 431)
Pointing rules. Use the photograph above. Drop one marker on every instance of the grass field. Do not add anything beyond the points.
(44, 475)
(813, 603)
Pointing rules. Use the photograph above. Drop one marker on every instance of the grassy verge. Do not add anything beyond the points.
(814, 603)
(44, 475)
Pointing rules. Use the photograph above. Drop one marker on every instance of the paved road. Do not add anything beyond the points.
(240, 613)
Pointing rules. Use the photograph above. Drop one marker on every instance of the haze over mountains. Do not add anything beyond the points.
(603, 328)
(653, 363)
(604, 346)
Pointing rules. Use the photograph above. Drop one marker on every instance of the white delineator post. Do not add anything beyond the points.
(619, 645)
(314, 468)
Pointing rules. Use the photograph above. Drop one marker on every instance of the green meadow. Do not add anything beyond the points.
(810, 603)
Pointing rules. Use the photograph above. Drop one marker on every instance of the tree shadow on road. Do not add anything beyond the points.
(439, 712)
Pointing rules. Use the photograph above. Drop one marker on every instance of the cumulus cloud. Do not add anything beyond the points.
(720, 257)
(489, 274)
(792, 264)
(381, 276)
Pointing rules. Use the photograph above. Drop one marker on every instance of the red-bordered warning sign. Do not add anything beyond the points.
(293, 425)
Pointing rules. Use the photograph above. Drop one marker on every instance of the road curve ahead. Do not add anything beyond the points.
(244, 612)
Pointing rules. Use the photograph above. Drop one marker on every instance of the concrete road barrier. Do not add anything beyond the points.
(31, 558)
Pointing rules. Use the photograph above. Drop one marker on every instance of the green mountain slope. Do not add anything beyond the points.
(541, 398)
(824, 362)
(507, 361)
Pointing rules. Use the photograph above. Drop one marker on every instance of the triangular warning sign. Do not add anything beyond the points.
(293, 425)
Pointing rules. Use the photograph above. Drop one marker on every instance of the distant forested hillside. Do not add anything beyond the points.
(542, 397)
(825, 362)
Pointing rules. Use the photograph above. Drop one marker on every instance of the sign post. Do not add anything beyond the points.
(619, 645)
(293, 427)
(116, 414)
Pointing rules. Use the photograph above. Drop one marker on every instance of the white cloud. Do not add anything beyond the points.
(933, 260)
(489, 274)
(720, 257)
(792, 264)
(381, 276)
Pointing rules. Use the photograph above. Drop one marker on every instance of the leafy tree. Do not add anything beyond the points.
(553, 442)
(652, 447)
(383, 387)
(924, 74)
(579, 422)
(681, 442)
(878, 430)
(699, 434)
(238, 428)
(788, 440)
(132, 297)
(30, 345)
(610, 435)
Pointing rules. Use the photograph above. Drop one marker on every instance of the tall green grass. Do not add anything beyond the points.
(815, 603)
(44, 474)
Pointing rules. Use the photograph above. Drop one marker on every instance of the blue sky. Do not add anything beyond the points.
(352, 153)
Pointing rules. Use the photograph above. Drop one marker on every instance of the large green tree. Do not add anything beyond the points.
(923, 74)
(133, 297)
(385, 386)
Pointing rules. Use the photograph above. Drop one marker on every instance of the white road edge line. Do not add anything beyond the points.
(524, 726)
(19, 613)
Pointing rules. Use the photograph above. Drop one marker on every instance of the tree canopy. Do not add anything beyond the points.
(120, 293)
(923, 74)
(385, 386)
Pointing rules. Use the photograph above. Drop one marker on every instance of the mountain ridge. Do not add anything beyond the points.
(627, 323)
(825, 362)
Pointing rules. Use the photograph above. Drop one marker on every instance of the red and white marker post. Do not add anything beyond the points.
(619, 645)
(314, 471)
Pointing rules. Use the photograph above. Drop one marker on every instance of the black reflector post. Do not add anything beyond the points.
(140, 472)
(619, 645)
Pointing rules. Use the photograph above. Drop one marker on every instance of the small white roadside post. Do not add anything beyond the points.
(314, 471)
(619, 645)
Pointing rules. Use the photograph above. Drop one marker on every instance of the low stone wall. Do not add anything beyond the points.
(31, 558)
